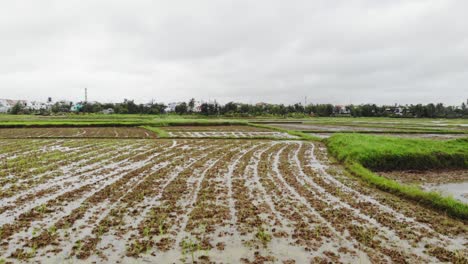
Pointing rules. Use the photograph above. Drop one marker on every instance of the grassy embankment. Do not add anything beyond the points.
(363, 153)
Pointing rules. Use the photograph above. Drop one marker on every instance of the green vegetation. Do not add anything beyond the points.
(160, 132)
(120, 120)
(390, 153)
(263, 236)
(191, 247)
(363, 152)
(299, 134)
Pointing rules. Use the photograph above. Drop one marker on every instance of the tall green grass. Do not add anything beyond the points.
(392, 153)
(360, 153)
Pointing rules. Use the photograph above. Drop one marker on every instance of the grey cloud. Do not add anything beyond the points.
(277, 51)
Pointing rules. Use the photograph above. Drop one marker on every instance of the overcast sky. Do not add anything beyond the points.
(379, 51)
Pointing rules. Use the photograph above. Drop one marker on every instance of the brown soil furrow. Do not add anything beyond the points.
(144, 191)
(328, 196)
(53, 189)
(322, 236)
(110, 190)
(51, 172)
(157, 233)
(415, 233)
(102, 210)
(26, 218)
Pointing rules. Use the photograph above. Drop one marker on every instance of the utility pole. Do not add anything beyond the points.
(86, 95)
(305, 100)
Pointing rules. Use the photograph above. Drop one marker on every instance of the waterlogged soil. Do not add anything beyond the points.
(428, 176)
(217, 128)
(77, 132)
(205, 201)
(325, 128)
(426, 136)
(457, 190)
(230, 134)
(448, 182)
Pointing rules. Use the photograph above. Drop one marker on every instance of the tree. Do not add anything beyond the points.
(191, 105)
(181, 108)
(230, 108)
(17, 109)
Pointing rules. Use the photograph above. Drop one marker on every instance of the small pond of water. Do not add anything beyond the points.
(458, 190)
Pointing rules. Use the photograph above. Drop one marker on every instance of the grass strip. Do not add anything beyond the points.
(160, 132)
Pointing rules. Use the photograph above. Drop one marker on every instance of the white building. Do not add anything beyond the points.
(36, 106)
(108, 111)
(172, 106)
(7, 104)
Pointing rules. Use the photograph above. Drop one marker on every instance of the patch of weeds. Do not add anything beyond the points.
(52, 230)
(263, 236)
(78, 246)
(100, 230)
(365, 235)
(138, 247)
(146, 231)
(35, 231)
(318, 231)
(41, 209)
(161, 221)
(191, 247)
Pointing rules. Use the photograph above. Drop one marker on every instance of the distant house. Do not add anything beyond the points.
(172, 106)
(4, 106)
(36, 106)
(7, 104)
(261, 104)
(76, 107)
(341, 110)
(395, 110)
(108, 111)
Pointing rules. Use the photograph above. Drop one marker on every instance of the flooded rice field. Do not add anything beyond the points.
(325, 128)
(77, 132)
(229, 134)
(225, 132)
(205, 201)
(412, 135)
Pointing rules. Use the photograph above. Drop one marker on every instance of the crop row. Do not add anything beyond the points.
(208, 200)
(76, 132)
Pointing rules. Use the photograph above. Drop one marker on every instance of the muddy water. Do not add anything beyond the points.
(458, 190)
(427, 136)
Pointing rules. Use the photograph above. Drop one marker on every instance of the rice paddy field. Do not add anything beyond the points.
(83, 195)
(77, 132)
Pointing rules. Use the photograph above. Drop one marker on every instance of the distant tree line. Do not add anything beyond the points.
(328, 110)
(232, 109)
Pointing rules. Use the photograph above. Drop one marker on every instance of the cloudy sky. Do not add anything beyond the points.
(331, 51)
